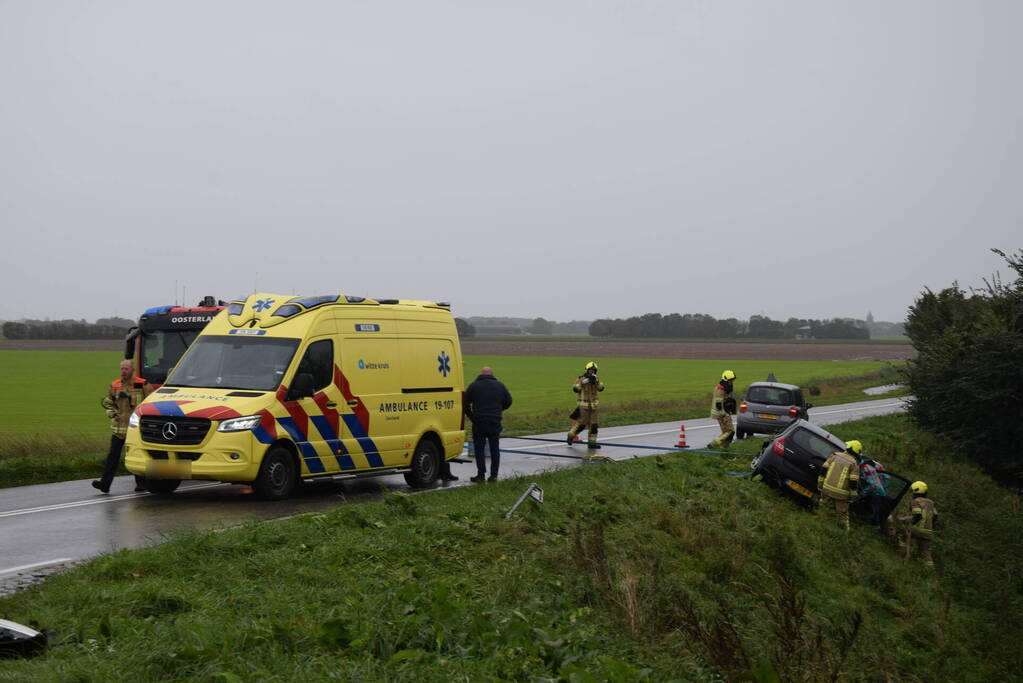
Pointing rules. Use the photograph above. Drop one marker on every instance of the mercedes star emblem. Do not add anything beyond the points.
(170, 430)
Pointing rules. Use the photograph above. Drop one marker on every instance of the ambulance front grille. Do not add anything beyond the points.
(180, 431)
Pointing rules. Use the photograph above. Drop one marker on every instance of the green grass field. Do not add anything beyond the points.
(542, 386)
(55, 392)
(46, 391)
(654, 569)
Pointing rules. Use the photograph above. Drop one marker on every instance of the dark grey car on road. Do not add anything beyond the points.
(769, 407)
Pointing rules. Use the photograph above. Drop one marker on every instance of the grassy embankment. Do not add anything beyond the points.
(662, 568)
(53, 428)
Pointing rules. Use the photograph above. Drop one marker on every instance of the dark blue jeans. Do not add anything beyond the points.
(486, 432)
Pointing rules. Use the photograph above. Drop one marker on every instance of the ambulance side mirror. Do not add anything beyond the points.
(302, 387)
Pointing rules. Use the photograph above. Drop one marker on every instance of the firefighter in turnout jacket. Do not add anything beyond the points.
(124, 394)
(587, 385)
(721, 409)
(918, 528)
(839, 479)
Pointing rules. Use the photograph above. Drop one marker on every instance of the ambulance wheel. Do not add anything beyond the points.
(161, 485)
(277, 475)
(425, 465)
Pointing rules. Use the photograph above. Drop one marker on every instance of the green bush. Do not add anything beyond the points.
(967, 377)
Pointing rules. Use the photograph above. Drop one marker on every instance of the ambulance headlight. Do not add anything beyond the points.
(133, 421)
(239, 424)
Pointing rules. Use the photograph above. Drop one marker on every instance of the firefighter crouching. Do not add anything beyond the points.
(124, 394)
(721, 409)
(838, 480)
(587, 385)
(918, 527)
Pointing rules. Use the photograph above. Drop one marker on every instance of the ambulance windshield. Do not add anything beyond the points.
(230, 362)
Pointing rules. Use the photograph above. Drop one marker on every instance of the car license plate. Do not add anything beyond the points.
(802, 490)
(767, 416)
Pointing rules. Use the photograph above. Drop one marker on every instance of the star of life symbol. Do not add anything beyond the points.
(263, 305)
(445, 363)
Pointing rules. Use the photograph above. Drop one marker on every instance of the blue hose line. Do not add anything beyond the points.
(662, 449)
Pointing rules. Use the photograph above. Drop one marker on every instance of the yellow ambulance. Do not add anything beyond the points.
(278, 389)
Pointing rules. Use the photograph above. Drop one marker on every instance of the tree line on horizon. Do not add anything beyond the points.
(685, 326)
(104, 328)
(703, 326)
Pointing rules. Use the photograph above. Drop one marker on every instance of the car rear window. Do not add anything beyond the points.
(808, 441)
(772, 396)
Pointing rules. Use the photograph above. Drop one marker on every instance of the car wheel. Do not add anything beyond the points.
(162, 486)
(740, 434)
(425, 465)
(277, 474)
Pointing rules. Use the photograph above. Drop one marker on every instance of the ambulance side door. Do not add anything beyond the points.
(305, 422)
(370, 408)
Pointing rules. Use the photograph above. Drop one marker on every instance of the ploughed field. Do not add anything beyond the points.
(852, 351)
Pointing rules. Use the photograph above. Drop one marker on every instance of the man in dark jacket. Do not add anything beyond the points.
(485, 400)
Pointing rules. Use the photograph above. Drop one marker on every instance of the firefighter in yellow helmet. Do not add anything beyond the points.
(722, 408)
(839, 477)
(918, 527)
(587, 386)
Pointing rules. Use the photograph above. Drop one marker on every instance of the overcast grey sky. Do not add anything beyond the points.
(572, 160)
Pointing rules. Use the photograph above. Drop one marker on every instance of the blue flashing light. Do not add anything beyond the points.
(157, 310)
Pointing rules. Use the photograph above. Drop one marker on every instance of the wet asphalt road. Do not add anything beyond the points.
(50, 525)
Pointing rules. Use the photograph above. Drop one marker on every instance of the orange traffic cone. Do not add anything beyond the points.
(682, 437)
(576, 438)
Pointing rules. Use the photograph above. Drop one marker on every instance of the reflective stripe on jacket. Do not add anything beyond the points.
(841, 474)
(588, 392)
(719, 399)
(927, 511)
(119, 409)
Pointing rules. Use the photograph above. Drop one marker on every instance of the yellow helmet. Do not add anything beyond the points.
(591, 364)
(727, 375)
(918, 487)
(854, 446)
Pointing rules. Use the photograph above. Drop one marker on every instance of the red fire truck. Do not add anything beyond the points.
(157, 343)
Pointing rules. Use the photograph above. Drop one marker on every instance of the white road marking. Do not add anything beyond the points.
(36, 565)
(94, 501)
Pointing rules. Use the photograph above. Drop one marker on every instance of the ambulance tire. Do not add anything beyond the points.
(161, 486)
(278, 475)
(425, 465)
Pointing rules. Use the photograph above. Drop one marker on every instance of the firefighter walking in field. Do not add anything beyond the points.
(839, 478)
(721, 409)
(124, 394)
(918, 527)
(587, 385)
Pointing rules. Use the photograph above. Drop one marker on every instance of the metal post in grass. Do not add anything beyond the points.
(532, 491)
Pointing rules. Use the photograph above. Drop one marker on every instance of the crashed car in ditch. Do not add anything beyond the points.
(792, 461)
